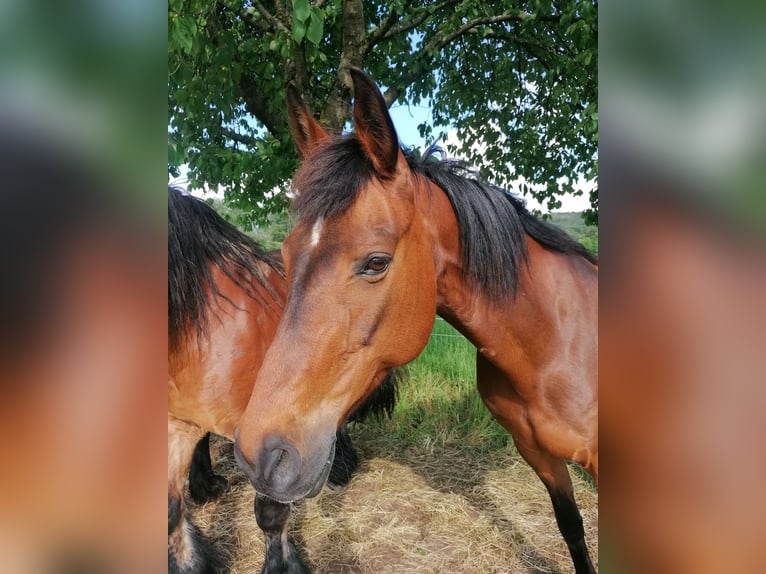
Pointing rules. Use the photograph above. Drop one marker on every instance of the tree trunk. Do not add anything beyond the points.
(338, 107)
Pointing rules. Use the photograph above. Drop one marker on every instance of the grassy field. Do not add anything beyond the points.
(440, 489)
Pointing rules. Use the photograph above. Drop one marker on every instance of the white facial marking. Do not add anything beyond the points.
(316, 232)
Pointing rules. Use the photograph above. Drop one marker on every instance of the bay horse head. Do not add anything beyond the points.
(362, 273)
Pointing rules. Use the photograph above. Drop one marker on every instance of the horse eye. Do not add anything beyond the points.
(376, 264)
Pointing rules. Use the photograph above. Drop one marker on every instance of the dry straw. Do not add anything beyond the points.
(444, 508)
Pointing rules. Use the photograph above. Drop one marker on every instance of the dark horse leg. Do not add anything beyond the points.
(345, 462)
(272, 516)
(204, 484)
(188, 550)
(554, 474)
(380, 402)
(497, 394)
(281, 555)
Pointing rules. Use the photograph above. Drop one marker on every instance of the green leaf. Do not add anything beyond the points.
(182, 33)
(299, 30)
(173, 159)
(301, 9)
(316, 28)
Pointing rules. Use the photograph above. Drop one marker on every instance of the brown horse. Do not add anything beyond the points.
(384, 241)
(225, 300)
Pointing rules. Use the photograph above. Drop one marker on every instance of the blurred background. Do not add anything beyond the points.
(82, 296)
(682, 319)
(83, 149)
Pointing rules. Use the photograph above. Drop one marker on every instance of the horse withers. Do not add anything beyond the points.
(385, 240)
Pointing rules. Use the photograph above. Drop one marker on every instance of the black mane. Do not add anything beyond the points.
(492, 222)
(197, 238)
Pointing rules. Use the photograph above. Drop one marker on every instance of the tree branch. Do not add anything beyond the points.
(378, 33)
(257, 23)
(297, 69)
(273, 21)
(415, 21)
(420, 65)
(533, 48)
(245, 139)
(256, 103)
(438, 44)
(284, 11)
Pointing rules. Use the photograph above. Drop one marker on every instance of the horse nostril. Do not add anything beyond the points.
(281, 465)
(273, 459)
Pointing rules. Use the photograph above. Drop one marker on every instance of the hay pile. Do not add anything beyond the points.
(441, 509)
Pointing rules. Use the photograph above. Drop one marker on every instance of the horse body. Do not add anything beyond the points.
(536, 371)
(208, 387)
(539, 352)
(383, 242)
(225, 300)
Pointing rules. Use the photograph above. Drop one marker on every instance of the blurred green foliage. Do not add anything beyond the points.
(574, 224)
(91, 75)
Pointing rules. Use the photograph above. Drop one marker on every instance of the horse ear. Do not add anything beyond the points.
(373, 124)
(305, 129)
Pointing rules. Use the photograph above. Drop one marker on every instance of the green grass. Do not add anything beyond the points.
(438, 402)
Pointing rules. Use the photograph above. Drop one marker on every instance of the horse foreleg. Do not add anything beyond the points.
(188, 551)
(281, 555)
(204, 484)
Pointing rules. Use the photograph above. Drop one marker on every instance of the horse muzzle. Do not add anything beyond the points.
(281, 473)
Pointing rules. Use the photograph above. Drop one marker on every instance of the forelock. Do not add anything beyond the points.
(330, 179)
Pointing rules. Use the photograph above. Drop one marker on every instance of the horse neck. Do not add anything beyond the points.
(456, 300)
(499, 327)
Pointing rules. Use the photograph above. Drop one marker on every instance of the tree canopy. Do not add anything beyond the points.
(516, 79)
